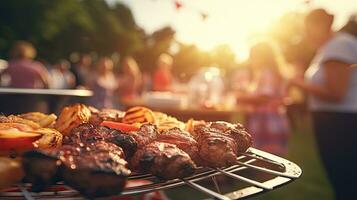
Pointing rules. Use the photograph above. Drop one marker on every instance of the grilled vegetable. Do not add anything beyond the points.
(42, 119)
(71, 117)
(139, 115)
(120, 126)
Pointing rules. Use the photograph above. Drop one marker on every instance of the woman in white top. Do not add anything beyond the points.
(331, 82)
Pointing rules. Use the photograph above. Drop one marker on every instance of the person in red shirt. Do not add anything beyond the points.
(163, 78)
(23, 71)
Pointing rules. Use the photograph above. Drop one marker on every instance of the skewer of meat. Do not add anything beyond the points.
(166, 162)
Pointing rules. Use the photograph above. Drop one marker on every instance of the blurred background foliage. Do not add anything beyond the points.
(61, 28)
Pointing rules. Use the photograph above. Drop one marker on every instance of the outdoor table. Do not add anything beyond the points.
(186, 113)
(18, 100)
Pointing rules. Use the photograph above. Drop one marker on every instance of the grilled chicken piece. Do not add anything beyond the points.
(71, 117)
(98, 116)
(221, 142)
(88, 133)
(183, 140)
(95, 170)
(163, 160)
(139, 114)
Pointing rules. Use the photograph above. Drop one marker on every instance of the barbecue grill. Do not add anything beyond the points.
(277, 172)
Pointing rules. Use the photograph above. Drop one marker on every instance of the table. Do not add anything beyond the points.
(186, 113)
(19, 100)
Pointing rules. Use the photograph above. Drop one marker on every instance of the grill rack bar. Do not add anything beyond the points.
(288, 172)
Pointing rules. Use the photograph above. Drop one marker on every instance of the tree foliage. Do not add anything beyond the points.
(58, 28)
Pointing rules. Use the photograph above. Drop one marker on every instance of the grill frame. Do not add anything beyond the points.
(288, 173)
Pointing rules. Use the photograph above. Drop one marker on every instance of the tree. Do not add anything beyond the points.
(58, 28)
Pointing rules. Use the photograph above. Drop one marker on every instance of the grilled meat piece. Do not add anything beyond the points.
(221, 142)
(41, 169)
(88, 133)
(183, 141)
(145, 135)
(95, 170)
(98, 116)
(98, 171)
(236, 131)
(164, 160)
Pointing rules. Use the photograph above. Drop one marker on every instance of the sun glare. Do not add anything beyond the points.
(232, 22)
(228, 22)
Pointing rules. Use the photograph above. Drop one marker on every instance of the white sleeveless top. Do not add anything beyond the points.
(342, 47)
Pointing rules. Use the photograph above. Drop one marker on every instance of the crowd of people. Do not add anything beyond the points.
(109, 85)
(330, 82)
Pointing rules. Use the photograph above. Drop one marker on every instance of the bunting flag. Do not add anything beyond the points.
(178, 5)
(204, 16)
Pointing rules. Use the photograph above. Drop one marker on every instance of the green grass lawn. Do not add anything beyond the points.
(313, 183)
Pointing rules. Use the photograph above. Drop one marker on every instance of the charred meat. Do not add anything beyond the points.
(98, 116)
(183, 141)
(88, 133)
(99, 170)
(95, 170)
(145, 135)
(164, 160)
(220, 143)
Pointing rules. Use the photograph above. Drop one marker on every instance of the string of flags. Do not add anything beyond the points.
(179, 5)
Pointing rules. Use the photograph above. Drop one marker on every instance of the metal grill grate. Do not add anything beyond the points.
(279, 170)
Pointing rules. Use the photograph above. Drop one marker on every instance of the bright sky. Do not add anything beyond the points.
(229, 21)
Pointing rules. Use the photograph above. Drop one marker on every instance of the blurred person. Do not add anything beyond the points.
(4, 81)
(130, 82)
(82, 70)
(22, 70)
(331, 83)
(266, 121)
(240, 79)
(163, 78)
(62, 78)
(104, 84)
